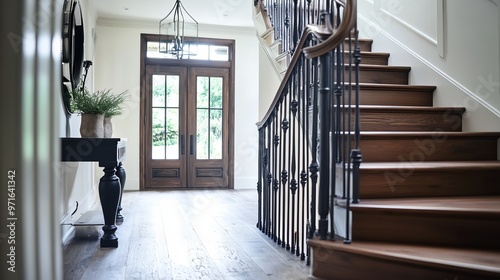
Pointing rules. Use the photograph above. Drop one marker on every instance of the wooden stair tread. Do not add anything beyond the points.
(437, 134)
(396, 87)
(465, 206)
(482, 262)
(382, 68)
(407, 118)
(371, 58)
(361, 40)
(391, 94)
(428, 145)
(375, 53)
(275, 43)
(267, 32)
(410, 108)
(364, 44)
(282, 55)
(436, 166)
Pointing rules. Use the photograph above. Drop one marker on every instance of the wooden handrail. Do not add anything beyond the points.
(333, 39)
(338, 36)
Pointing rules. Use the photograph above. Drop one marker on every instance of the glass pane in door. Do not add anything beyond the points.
(202, 133)
(158, 133)
(165, 117)
(215, 134)
(209, 118)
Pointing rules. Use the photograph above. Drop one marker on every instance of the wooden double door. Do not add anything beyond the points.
(187, 127)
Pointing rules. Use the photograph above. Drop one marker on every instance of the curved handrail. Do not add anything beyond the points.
(333, 39)
(348, 22)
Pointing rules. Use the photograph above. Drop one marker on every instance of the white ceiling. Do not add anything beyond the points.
(218, 12)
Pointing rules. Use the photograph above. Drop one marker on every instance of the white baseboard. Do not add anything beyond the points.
(245, 183)
(66, 231)
(84, 205)
(132, 184)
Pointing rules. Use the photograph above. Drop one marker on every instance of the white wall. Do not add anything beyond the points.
(78, 179)
(451, 44)
(117, 66)
(269, 83)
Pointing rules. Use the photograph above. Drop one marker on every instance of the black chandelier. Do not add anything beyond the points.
(173, 30)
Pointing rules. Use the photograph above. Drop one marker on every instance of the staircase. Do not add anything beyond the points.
(429, 193)
(271, 45)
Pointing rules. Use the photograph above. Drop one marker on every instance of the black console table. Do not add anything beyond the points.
(110, 153)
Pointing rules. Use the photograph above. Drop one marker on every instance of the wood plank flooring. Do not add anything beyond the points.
(195, 234)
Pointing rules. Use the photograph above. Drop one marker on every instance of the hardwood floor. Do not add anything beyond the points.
(195, 234)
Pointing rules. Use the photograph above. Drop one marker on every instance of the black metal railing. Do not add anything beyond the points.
(288, 18)
(309, 153)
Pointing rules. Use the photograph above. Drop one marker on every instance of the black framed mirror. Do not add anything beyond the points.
(72, 50)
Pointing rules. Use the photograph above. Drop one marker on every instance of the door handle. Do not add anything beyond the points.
(183, 145)
(191, 144)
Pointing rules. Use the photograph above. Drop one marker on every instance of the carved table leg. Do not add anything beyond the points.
(109, 194)
(120, 172)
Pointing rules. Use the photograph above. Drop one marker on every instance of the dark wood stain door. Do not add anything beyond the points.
(165, 124)
(187, 127)
(208, 121)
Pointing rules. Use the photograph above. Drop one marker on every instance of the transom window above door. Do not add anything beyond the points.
(197, 51)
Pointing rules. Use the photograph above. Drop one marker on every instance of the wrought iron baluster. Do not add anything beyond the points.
(347, 160)
(270, 190)
(260, 175)
(356, 153)
(298, 118)
(289, 162)
(295, 19)
(324, 163)
(318, 11)
(275, 181)
(264, 180)
(337, 123)
(269, 181)
(308, 13)
(344, 119)
(285, 46)
(281, 19)
(293, 181)
(284, 173)
(305, 152)
(312, 182)
(314, 166)
(287, 174)
(277, 17)
(280, 161)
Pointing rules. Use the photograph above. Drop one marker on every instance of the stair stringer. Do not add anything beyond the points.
(271, 47)
(277, 67)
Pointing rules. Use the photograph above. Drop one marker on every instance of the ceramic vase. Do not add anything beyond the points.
(108, 127)
(92, 126)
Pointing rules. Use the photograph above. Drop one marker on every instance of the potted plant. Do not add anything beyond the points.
(115, 101)
(94, 108)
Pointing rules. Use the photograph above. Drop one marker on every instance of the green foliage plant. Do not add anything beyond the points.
(98, 102)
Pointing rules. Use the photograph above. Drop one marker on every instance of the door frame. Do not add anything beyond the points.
(144, 119)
